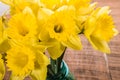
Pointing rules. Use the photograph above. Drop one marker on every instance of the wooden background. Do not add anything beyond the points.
(89, 64)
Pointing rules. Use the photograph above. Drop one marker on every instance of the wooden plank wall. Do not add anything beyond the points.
(89, 64)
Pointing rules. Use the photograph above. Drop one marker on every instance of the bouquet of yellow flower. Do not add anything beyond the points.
(31, 27)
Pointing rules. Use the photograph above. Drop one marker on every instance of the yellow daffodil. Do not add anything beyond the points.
(99, 29)
(4, 45)
(40, 61)
(2, 68)
(61, 27)
(23, 29)
(22, 26)
(20, 60)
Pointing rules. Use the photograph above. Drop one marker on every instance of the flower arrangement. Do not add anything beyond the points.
(32, 27)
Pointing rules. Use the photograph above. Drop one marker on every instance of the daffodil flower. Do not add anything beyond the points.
(99, 29)
(61, 27)
(22, 26)
(20, 60)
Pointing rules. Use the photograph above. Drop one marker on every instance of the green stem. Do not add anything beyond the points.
(56, 64)
(59, 60)
(50, 70)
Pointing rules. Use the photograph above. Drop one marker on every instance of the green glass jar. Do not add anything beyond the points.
(62, 74)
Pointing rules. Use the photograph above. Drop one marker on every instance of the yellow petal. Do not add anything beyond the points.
(28, 10)
(43, 14)
(86, 10)
(103, 10)
(43, 35)
(90, 26)
(40, 71)
(4, 46)
(12, 77)
(73, 42)
(39, 74)
(42, 59)
(99, 44)
(51, 4)
(115, 31)
(56, 51)
(48, 43)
